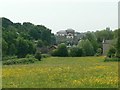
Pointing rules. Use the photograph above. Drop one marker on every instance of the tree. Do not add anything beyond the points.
(55, 52)
(6, 22)
(93, 39)
(38, 55)
(22, 36)
(53, 39)
(10, 34)
(31, 47)
(76, 52)
(4, 47)
(111, 52)
(61, 51)
(35, 33)
(99, 52)
(12, 49)
(106, 34)
(40, 43)
(22, 48)
(87, 47)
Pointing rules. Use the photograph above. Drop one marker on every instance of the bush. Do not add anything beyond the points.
(111, 59)
(19, 61)
(54, 52)
(111, 52)
(9, 57)
(61, 51)
(38, 56)
(29, 56)
(40, 43)
(99, 52)
(87, 47)
(45, 55)
(76, 52)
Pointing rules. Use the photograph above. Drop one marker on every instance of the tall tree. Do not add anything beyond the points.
(4, 47)
(22, 47)
(22, 37)
(93, 39)
(87, 47)
(62, 50)
(12, 49)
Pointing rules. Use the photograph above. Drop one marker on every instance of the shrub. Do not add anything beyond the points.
(9, 57)
(19, 61)
(29, 56)
(111, 59)
(87, 47)
(99, 52)
(38, 56)
(24, 47)
(111, 52)
(54, 52)
(45, 55)
(62, 50)
(40, 43)
(75, 52)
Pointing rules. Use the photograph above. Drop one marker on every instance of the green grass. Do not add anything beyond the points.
(62, 72)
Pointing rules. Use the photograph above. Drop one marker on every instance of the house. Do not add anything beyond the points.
(69, 36)
(106, 46)
(52, 47)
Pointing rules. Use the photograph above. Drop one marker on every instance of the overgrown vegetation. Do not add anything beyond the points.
(38, 55)
(61, 51)
(22, 39)
(19, 61)
(76, 52)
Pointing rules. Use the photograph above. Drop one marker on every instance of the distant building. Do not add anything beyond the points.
(106, 46)
(69, 36)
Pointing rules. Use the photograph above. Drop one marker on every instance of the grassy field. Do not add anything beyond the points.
(66, 72)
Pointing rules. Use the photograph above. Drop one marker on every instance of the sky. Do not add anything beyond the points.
(80, 15)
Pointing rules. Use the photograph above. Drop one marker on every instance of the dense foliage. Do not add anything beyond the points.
(87, 47)
(22, 39)
(97, 38)
(111, 52)
(76, 52)
(38, 55)
(61, 51)
(19, 61)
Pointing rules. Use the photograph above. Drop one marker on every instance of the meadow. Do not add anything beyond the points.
(62, 72)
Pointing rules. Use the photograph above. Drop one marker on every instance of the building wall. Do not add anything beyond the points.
(68, 36)
(106, 47)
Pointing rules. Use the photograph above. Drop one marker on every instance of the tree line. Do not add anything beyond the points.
(90, 45)
(22, 39)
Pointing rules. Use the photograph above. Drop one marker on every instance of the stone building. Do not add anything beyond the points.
(69, 36)
(106, 46)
